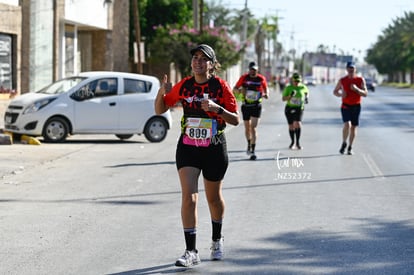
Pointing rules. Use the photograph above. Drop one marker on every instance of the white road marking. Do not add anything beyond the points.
(373, 167)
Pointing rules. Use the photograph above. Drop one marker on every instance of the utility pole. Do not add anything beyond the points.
(276, 49)
(196, 17)
(201, 16)
(244, 35)
(137, 34)
(292, 51)
(259, 43)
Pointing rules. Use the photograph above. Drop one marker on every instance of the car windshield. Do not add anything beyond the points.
(61, 86)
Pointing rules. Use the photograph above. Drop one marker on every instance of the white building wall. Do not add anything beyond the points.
(92, 13)
(233, 74)
(41, 44)
(10, 2)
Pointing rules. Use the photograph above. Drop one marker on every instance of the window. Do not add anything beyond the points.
(134, 86)
(97, 88)
(104, 87)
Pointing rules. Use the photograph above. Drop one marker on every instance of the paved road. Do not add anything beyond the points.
(99, 206)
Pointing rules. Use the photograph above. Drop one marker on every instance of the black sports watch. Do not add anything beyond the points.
(220, 110)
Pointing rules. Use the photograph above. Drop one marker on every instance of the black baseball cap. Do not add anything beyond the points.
(253, 65)
(296, 77)
(350, 64)
(207, 50)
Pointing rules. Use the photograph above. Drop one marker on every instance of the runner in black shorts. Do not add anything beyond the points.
(296, 96)
(251, 110)
(293, 114)
(350, 113)
(253, 86)
(208, 104)
(203, 157)
(350, 88)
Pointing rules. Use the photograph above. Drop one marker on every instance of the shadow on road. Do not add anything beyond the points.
(121, 199)
(361, 251)
(160, 269)
(100, 141)
(142, 164)
(338, 253)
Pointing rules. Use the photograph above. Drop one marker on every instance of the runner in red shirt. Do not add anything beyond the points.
(351, 89)
(253, 86)
(208, 104)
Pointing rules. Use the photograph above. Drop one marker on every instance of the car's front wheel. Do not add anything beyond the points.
(56, 130)
(156, 129)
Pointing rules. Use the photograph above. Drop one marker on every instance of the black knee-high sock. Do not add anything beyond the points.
(253, 147)
(297, 132)
(190, 235)
(216, 230)
(292, 135)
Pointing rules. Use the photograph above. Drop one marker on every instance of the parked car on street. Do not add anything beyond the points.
(90, 103)
(309, 80)
(370, 83)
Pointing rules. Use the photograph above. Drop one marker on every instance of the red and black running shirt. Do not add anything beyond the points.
(190, 94)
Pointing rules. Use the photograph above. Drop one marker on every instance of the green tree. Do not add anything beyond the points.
(393, 53)
(231, 19)
(173, 43)
(158, 12)
(168, 29)
(163, 12)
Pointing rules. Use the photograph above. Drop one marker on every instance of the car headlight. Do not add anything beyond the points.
(36, 106)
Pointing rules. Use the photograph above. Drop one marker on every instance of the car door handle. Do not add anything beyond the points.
(112, 104)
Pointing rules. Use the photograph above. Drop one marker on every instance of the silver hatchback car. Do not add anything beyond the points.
(90, 103)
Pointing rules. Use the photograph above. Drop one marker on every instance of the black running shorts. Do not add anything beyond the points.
(293, 114)
(251, 110)
(212, 160)
(351, 113)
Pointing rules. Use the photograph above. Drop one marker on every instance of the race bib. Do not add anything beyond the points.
(296, 101)
(252, 96)
(199, 131)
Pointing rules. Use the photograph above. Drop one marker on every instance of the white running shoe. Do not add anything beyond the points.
(217, 250)
(189, 259)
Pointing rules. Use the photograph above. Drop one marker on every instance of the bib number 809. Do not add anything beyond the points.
(198, 133)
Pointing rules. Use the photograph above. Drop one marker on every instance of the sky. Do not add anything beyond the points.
(351, 26)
